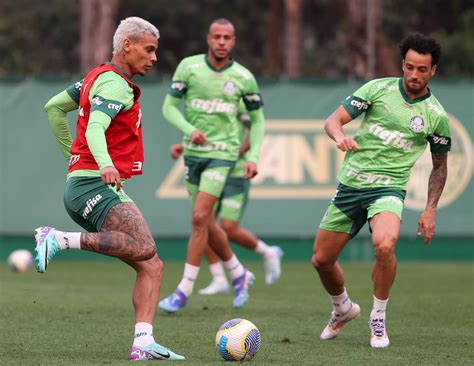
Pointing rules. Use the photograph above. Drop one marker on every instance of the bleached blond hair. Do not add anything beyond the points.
(133, 28)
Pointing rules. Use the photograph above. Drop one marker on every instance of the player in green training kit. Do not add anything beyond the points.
(212, 86)
(230, 208)
(108, 149)
(401, 118)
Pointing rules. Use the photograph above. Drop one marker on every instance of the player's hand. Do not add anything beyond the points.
(176, 150)
(347, 143)
(250, 170)
(426, 225)
(111, 176)
(197, 137)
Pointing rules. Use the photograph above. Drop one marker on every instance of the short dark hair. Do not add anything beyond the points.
(422, 44)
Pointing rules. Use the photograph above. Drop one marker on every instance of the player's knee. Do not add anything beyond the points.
(321, 263)
(384, 252)
(200, 219)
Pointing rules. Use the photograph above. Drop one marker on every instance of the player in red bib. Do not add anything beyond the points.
(107, 150)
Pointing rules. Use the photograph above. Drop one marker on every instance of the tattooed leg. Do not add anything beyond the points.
(124, 234)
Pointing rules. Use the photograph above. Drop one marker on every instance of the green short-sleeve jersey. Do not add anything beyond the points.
(211, 100)
(393, 134)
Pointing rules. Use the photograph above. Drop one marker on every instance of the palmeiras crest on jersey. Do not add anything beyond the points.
(417, 124)
(230, 88)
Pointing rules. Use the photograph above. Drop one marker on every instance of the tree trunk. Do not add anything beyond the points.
(98, 21)
(293, 38)
(272, 52)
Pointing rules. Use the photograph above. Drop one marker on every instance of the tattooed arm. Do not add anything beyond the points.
(436, 183)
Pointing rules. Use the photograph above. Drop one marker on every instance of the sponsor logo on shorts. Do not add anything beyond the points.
(231, 203)
(214, 175)
(390, 199)
(90, 205)
(209, 146)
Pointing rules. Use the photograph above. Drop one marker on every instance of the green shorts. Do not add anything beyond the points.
(233, 200)
(350, 208)
(206, 175)
(88, 201)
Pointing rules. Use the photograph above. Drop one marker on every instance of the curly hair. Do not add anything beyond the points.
(422, 44)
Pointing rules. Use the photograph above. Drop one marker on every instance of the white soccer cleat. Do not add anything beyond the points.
(378, 333)
(337, 321)
(215, 287)
(273, 265)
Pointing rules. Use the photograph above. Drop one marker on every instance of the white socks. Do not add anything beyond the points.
(189, 277)
(341, 303)
(217, 272)
(263, 249)
(234, 267)
(379, 308)
(68, 240)
(143, 335)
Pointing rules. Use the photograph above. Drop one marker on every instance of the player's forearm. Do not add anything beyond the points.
(174, 116)
(257, 133)
(437, 179)
(56, 109)
(95, 136)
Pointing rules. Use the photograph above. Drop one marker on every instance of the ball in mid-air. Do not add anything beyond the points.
(20, 260)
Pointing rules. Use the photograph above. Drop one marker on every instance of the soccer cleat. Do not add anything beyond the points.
(46, 247)
(337, 321)
(378, 333)
(273, 265)
(174, 302)
(241, 285)
(153, 351)
(215, 287)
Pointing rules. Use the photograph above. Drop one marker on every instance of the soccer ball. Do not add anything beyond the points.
(20, 260)
(238, 340)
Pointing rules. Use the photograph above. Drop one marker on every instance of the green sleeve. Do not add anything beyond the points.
(174, 116)
(95, 136)
(252, 98)
(257, 132)
(179, 87)
(56, 109)
(360, 101)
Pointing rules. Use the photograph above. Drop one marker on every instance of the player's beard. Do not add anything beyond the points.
(416, 90)
(220, 58)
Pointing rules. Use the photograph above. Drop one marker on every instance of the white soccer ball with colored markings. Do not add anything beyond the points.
(238, 340)
(20, 260)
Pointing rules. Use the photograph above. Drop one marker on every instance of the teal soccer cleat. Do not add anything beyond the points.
(46, 247)
(241, 285)
(153, 351)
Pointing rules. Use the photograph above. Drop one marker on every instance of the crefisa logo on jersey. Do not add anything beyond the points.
(230, 88)
(417, 124)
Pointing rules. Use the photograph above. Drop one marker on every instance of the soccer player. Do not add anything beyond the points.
(107, 150)
(401, 118)
(230, 208)
(212, 86)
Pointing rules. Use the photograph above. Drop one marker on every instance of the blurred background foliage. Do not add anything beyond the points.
(276, 38)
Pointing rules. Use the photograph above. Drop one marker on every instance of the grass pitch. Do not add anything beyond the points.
(80, 313)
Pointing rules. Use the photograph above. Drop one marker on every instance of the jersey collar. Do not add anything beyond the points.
(120, 69)
(407, 99)
(218, 70)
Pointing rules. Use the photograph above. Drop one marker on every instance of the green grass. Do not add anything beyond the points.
(80, 313)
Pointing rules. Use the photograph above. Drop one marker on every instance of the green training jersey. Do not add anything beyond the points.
(211, 100)
(393, 134)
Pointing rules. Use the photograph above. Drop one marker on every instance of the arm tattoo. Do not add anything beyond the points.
(124, 234)
(437, 178)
